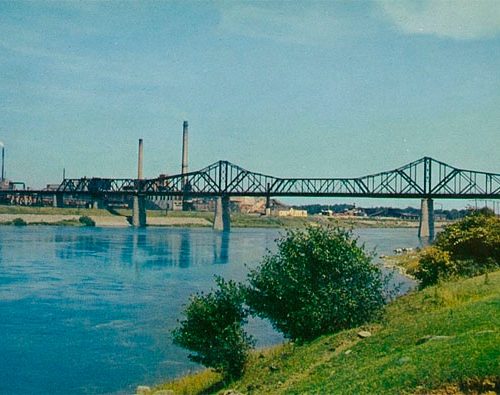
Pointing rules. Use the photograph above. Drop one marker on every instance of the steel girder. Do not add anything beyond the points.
(425, 177)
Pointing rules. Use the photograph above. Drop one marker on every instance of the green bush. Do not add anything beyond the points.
(86, 221)
(319, 281)
(19, 222)
(213, 330)
(434, 264)
(476, 237)
(466, 248)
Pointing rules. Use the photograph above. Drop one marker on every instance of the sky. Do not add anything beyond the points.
(290, 89)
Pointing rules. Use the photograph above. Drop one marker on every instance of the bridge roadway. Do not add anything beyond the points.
(425, 178)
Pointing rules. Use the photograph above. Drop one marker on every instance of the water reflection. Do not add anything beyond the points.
(184, 258)
(143, 248)
(221, 247)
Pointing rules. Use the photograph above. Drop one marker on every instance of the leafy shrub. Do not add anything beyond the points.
(466, 248)
(86, 221)
(319, 281)
(434, 264)
(19, 222)
(476, 237)
(213, 330)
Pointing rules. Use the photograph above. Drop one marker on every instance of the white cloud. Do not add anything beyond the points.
(457, 19)
(295, 23)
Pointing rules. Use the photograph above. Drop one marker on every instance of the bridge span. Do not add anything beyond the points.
(426, 179)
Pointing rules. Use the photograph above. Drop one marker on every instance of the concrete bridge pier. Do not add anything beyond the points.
(268, 206)
(426, 227)
(222, 219)
(268, 201)
(58, 200)
(139, 202)
(139, 211)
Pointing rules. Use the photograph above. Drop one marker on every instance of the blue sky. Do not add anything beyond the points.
(320, 89)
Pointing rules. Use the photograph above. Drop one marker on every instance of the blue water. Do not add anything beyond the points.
(89, 310)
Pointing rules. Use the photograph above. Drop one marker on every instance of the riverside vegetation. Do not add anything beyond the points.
(295, 288)
(466, 248)
(441, 339)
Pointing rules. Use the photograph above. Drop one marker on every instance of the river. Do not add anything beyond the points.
(89, 310)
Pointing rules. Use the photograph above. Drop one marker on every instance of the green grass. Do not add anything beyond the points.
(391, 361)
(370, 222)
(252, 221)
(184, 214)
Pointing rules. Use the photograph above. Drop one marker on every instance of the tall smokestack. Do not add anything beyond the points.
(3, 163)
(139, 162)
(185, 148)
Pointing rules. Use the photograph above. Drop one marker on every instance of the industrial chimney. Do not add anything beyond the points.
(139, 201)
(185, 148)
(3, 162)
(139, 162)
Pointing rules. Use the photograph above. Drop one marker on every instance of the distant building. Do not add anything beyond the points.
(410, 216)
(169, 203)
(51, 187)
(292, 213)
(248, 204)
(354, 212)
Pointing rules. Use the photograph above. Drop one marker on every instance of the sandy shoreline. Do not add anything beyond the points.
(198, 221)
(104, 221)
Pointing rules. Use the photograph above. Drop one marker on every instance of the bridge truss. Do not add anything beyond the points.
(423, 178)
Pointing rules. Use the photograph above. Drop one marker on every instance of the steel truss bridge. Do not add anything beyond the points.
(423, 178)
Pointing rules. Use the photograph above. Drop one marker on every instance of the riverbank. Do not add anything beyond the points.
(406, 263)
(442, 340)
(121, 218)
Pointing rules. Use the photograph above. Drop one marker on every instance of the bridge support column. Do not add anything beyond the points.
(58, 200)
(139, 211)
(268, 201)
(268, 206)
(222, 219)
(139, 203)
(426, 227)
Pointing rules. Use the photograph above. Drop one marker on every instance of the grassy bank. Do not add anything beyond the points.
(445, 338)
(239, 220)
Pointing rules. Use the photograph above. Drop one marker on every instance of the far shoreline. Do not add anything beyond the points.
(174, 219)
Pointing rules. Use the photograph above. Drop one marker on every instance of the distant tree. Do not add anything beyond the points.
(86, 221)
(19, 222)
(486, 211)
